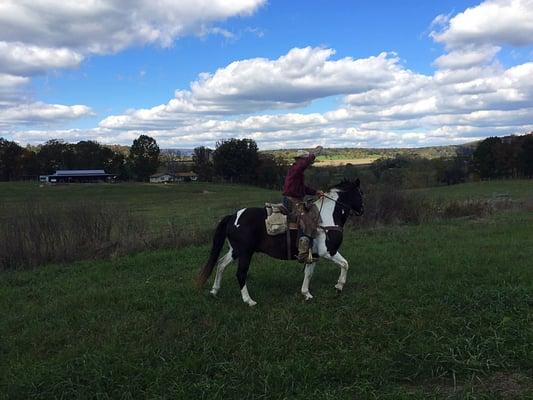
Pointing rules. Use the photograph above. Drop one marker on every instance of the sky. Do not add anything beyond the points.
(288, 74)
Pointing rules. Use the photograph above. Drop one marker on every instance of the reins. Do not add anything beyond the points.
(346, 207)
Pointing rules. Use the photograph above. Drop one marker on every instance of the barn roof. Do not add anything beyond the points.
(79, 172)
(186, 174)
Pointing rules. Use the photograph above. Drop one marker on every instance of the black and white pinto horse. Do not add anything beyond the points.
(246, 234)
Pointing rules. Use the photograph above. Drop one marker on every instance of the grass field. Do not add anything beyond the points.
(441, 310)
(517, 189)
(189, 204)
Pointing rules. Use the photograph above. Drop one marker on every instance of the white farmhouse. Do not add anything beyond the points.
(162, 178)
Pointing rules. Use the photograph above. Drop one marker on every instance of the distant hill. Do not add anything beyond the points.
(178, 152)
(343, 155)
(332, 156)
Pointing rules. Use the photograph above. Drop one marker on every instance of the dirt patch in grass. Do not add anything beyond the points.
(507, 385)
(501, 385)
(528, 204)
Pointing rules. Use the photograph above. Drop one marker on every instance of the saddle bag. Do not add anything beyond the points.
(276, 221)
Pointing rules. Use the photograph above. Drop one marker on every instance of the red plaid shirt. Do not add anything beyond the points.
(294, 181)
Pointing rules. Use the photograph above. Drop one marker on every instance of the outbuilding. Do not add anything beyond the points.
(78, 175)
(186, 177)
(162, 178)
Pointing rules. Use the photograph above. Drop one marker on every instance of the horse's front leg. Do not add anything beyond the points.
(308, 273)
(341, 262)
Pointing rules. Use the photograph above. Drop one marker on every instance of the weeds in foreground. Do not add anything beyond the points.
(390, 207)
(39, 233)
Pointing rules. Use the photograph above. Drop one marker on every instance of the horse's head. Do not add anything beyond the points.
(351, 196)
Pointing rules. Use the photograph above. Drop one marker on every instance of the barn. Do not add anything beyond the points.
(78, 175)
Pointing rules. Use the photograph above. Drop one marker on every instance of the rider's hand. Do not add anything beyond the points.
(319, 193)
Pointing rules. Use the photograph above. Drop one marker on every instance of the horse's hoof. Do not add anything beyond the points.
(252, 303)
(308, 296)
(213, 293)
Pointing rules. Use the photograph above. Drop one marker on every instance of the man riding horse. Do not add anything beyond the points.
(294, 192)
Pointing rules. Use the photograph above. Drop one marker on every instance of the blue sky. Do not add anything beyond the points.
(112, 83)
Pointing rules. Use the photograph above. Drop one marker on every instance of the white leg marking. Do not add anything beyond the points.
(221, 266)
(341, 262)
(239, 213)
(308, 273)
(246, 297)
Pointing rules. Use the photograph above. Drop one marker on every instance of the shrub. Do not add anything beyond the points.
(466, 208)
(39, 233)
(386, 205)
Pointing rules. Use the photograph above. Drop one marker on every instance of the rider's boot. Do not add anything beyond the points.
(305, 253)
(303, 249)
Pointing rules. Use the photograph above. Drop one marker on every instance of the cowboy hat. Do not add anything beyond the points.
(301, 154)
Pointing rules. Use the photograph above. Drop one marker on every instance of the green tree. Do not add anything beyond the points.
(10, 154)
(271, 171)
(55, 154)
(488, 158)
(144, 157)
(236, 160)
(525, 157)
(28, 164)
(91, 155)
(202, 159)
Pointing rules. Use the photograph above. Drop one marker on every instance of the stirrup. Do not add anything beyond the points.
(307, 258)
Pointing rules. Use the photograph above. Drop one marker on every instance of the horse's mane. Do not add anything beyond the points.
(343, 185)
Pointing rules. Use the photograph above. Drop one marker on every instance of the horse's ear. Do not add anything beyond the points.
(357, 182)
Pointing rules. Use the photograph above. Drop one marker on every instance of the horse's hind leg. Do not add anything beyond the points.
(242, 272)
(221, 266)
(308, 273)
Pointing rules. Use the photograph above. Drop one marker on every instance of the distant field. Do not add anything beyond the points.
(325, 162)
(436, 311)
(517, 189)
(187, 204)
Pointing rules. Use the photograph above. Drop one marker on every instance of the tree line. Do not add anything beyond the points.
(239, 161)
(492, 158)
(135, 163)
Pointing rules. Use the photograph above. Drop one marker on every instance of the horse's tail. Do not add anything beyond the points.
(218, 243)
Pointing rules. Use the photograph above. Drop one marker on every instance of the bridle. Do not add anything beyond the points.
(347, 207)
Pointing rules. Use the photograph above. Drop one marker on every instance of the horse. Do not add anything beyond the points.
(246, 234)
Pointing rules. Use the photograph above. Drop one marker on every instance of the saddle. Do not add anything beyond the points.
(278, 219)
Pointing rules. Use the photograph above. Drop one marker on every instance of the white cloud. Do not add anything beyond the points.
(30, 113)
(402, 108)
(495, 22)
(40, 35)
(292, 80)
(100, 27)
(21, 59)
(8, 81)
(467, 57)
